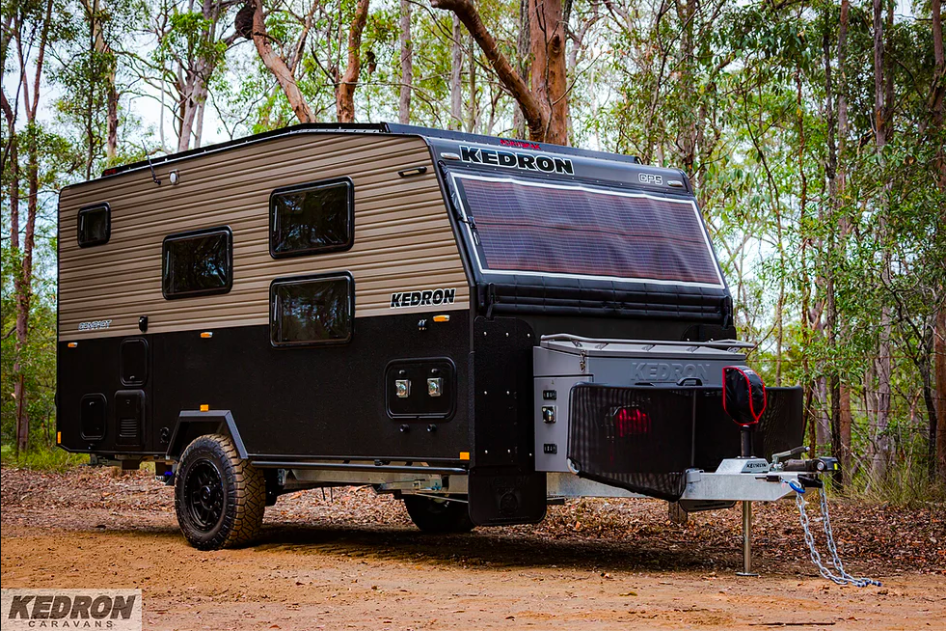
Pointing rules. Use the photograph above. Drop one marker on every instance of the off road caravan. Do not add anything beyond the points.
(477, 325)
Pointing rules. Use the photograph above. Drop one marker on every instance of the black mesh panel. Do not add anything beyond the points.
(662, 432)
(646, 449)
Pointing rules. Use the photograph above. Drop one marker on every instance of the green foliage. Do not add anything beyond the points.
(43, 459)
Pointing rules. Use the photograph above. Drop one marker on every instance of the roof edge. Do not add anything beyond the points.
(369, 128)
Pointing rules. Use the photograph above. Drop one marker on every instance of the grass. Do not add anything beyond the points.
(42, 459)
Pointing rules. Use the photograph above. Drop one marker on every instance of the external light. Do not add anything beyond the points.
(403, 388)
(435, 386)
(629, 421)
(441, 318)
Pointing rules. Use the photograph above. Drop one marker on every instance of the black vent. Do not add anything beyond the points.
(130, 417)
(128, 428)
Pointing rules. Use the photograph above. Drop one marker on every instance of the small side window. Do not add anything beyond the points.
(317, 309)
(197, 263)
(312, 218)
(94, 226)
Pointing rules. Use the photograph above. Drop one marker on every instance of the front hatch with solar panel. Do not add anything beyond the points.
(520, 226)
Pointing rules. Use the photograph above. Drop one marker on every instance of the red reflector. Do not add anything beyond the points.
(630, 421)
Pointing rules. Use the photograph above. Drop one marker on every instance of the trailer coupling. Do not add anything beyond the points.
(753, 479)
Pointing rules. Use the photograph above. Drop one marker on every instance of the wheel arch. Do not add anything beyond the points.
(190, 425)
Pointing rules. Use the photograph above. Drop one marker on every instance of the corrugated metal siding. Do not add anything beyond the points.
(403, 238)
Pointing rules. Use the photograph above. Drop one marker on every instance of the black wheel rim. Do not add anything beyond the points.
(203, 494)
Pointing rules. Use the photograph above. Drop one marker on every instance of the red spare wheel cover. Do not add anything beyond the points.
(743, 395)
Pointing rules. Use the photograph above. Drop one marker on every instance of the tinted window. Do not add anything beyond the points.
(311, 218)
(197, 263)
(312, 310)
(531, 227)
(95, 225)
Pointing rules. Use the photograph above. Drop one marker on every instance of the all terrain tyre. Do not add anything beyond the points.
(219, 497)
(438, 516)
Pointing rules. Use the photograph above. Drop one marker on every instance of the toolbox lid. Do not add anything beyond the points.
(728, 350)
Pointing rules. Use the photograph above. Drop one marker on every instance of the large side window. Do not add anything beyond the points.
(94, 226)
(318, 309)
(197, 263)
(311, 218)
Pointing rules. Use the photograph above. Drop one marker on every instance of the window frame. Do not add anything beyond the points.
(108, 225)
(299, 188)
(288, 280)
(188, 235)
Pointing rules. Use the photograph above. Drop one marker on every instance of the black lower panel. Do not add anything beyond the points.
(286, 402)
(645, 438)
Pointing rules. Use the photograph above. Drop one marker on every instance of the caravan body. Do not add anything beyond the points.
(447, 316)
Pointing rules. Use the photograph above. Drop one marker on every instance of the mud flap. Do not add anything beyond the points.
(505, 496)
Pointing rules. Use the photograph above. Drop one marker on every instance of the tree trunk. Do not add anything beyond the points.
(552, 77)
(938, 95)
(13, 157)
(881, 442)
(473, 105)
(549, 67)
(24, 291)
(199, 123)
(686, 134)
(880, 127)
(102, 47)
(111, 119)
(846, 423)
(808, 422)
(188, 115)
(831, 169)
(456, 76)
(925, 366)
(407, 65)
(23, 283)
(278, 67)
(523, 44)
(345, 99)
(939, 352)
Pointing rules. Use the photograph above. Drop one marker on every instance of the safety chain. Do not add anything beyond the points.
(842, 578)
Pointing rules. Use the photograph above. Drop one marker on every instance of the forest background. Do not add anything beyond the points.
(813, 131)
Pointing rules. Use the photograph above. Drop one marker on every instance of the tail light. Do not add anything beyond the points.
(630, 421)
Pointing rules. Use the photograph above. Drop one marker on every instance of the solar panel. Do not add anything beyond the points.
(537, 227)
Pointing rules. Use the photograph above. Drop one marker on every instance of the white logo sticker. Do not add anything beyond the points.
(426, 298)
(94, 324)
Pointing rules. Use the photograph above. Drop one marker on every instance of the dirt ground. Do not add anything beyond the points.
(352, 560)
